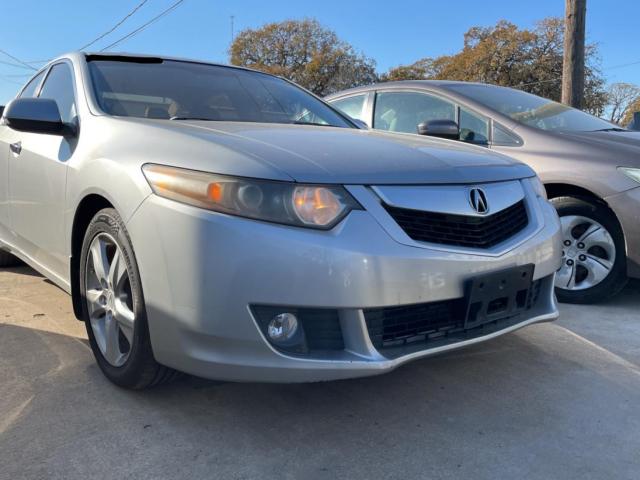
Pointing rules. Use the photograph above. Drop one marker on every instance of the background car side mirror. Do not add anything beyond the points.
(1, 109)
(361, 125)
(37, 115)
(440, 128)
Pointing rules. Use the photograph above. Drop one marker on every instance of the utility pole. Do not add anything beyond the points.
(573, 60)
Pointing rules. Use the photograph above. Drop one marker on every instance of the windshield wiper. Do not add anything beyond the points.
(300, 122)
(612, 129)
(194, 118)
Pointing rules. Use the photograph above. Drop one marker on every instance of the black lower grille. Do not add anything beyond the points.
(461, 230)
(430, 324)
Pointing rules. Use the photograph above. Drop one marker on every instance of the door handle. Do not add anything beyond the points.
(16, 147)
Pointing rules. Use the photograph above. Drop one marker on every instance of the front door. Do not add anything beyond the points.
(37, 180)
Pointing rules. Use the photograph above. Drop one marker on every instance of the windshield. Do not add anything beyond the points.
(165, 89)
(532, 110)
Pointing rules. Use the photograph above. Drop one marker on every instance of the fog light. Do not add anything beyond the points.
(282, 327)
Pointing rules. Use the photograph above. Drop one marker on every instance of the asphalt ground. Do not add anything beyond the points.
(558, 400)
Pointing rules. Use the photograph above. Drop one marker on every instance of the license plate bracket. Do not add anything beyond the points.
(497, 295)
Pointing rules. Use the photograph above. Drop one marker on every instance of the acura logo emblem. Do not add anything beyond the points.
(478, 200)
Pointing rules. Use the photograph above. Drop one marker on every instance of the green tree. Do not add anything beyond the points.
(529, 59)
(305, 52)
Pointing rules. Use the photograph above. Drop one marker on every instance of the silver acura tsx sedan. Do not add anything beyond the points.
(223, 222)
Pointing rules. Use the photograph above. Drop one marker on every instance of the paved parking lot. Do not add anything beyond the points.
(555, 400)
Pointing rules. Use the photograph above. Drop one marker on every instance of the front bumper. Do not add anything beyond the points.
(201, 271)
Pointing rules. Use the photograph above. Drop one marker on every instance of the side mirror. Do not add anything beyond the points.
(1, 109)
(361, 125)
(440, 128)
(37, 115)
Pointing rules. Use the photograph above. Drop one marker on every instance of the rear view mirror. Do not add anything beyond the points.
(36, 115)
(440, 128)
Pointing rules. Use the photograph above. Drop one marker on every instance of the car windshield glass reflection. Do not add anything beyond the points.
(532, 110)
(184, 90)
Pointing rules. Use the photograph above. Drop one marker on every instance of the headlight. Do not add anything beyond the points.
(632, 173)
(538, 187)
(316, 206)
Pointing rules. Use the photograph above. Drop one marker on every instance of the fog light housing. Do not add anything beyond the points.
(300, 331)
(282, 327)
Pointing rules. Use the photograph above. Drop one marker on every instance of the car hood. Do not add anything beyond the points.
(618, 147)
(344, 155)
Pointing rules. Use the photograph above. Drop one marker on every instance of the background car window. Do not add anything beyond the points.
(30, 90)
(502, 136)
(59, 86)
(352, 106)
(473, 128)
(403, 111)
(530, 109)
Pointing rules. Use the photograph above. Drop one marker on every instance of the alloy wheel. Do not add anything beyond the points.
(588, 253)
(109, 299)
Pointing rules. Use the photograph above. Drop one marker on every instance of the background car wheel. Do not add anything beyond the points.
(594, 260)
(113, 306)
(8, 260)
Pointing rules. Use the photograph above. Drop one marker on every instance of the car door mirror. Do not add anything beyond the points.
(37, 115)
(361, 125)
(1, 110)
(440, 128)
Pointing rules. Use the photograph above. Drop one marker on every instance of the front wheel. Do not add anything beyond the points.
(113, 305)
(593, 257)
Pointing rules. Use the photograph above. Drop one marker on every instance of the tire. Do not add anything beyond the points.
(113, 306)
(8, 260)
(599, 263)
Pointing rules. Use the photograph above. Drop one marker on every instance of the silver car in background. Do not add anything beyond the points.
(590, 167)
(223, 222)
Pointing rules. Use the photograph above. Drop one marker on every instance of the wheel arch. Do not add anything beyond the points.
(86, 210)
(559, 189)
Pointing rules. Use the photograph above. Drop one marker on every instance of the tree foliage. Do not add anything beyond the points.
(628, 116)
(529, 59)
(621, 99)
(305, 52)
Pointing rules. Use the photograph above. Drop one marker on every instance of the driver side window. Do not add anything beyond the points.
(404, 111)
(59, 86)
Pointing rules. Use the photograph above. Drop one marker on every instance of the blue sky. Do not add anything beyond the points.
(392, 33)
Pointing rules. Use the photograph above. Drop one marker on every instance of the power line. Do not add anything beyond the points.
(137, 7)
(143, 26)
(16, 65)
(17, 60)
(557, 79)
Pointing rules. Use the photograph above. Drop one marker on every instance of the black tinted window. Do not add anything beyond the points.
(59, 86)
(173, 89)
(30, 90)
